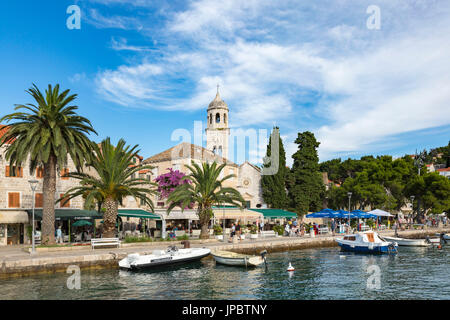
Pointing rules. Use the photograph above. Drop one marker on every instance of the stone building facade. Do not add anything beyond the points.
(247, 176)
(16, 197)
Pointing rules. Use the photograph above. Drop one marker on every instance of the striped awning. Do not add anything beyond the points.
(178, 214)
(237, 214)
(11, 217)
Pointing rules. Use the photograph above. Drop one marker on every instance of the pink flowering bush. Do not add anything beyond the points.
(169, 181)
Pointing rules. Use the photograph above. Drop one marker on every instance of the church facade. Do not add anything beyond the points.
(247, 178)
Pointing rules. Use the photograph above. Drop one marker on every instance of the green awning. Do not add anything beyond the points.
(276, 213)
(138, 213)
(68, 214)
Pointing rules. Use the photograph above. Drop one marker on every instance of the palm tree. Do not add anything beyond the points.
(205, 190)
(47, 134)
(114, 180)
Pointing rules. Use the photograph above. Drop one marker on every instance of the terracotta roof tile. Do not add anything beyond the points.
(187, 150)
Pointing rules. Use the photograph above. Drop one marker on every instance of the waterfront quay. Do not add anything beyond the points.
(16, 261)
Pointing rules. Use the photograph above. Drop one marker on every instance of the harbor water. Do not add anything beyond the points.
(326, 273)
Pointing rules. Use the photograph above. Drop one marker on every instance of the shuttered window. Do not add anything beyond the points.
(64, 203)
(38, 200)
(17, 172)
(39, 172)
(13, 199)
(64, 173)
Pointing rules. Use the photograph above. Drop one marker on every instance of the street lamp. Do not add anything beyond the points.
(349, 197)
(33, 185)
(412, 205)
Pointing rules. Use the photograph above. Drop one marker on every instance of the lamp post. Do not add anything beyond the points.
(349, 194)
(33, 185)
(412, 205)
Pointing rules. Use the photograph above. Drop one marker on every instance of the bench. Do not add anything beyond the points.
(323, 230)
(105, 242)
(269, 233)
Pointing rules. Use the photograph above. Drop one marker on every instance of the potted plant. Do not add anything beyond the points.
(218, 232)
(254, 232)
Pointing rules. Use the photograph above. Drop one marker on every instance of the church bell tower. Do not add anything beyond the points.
(217, 131)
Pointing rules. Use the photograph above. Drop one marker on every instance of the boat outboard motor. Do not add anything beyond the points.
(427, 239)
(442, 239)
(263, 255)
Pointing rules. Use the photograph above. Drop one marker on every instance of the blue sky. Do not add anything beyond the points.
(143, 69)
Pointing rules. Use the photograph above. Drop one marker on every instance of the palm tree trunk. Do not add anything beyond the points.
(48, 210)
(109, 218)
(204, 217)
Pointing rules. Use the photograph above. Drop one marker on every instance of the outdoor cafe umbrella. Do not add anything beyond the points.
(324, 213)
(81, 223)
(380, 213)
(363, 215)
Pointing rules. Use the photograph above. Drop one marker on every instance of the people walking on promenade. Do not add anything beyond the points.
(287, 230)
(59, 238)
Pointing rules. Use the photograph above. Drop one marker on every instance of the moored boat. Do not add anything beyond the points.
(408, 242)
(172, 255)
(366, 242)
(445, 236)
(236, 259)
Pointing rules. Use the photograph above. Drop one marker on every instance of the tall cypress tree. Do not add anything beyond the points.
(274, 186)
(306, 186)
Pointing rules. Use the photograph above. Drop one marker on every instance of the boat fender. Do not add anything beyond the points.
(290, 267)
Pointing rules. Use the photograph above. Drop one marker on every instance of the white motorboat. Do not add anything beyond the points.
(158, 258)
(408, 242)
(366, 242)
(236, 259)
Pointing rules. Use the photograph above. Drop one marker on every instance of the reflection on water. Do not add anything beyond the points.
(414, 273)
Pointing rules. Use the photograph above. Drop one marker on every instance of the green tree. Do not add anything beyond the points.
(205, 191)
(47, 133)
(274, 186)
(306, 185)
(113, 181)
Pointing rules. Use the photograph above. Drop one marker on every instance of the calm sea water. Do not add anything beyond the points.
(414, 273)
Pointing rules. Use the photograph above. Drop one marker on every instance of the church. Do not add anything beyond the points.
(247, 178)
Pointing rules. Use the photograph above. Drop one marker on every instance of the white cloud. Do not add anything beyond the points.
(271, 58)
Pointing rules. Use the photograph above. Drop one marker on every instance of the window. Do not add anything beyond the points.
(220, 151)
(65, 203)
(218, 118)
(149, 177)
(64, 173)
(17, 172)
(225, 118)
(247, 204)
(39, 200)
(13, 199)
(160, 204)
(142, 202)
(210, 119)
(214, 150)
(39, 172)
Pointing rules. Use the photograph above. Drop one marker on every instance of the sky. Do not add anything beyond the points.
(143, 69)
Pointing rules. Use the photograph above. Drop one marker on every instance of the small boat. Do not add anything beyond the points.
(236, 259)
(366, 242)
(158, 258)
(438, 241)
(446, 236)
(407, 242)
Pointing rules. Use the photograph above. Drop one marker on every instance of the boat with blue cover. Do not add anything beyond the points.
(366, 242)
